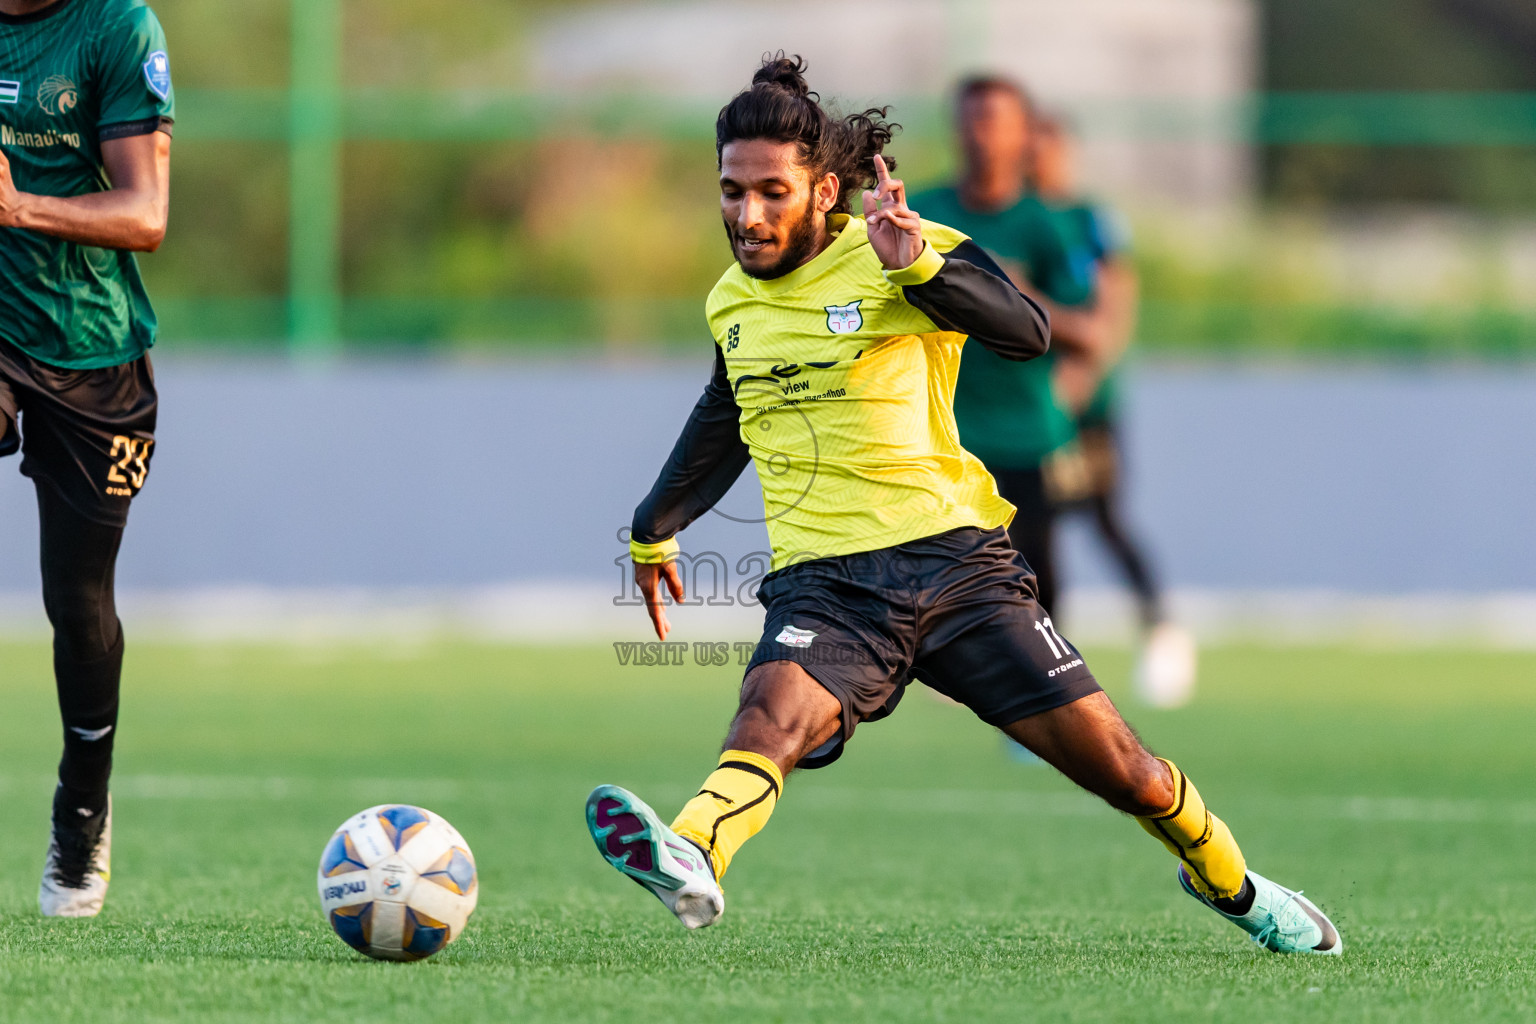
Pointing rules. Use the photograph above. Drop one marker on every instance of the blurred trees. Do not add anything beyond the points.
(1401, 45)
(567, 235)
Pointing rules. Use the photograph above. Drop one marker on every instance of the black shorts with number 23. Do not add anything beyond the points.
(90, 434)
(956, 611)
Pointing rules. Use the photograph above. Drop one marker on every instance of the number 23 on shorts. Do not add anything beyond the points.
(129, 465)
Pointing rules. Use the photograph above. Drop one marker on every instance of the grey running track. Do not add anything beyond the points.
(441, 474)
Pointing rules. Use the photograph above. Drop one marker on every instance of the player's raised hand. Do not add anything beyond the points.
(895, 231)
(648, 578)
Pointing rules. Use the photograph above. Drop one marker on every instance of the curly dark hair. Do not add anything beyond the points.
(780, 105)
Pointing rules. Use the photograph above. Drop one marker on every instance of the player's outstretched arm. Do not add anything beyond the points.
(962, 290)
(706, 460)
(132, 214)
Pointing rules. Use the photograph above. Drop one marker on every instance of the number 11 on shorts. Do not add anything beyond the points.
(1053, 639)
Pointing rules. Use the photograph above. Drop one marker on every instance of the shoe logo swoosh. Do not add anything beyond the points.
(90, 735)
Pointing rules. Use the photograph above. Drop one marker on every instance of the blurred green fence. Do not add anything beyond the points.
(321, 126)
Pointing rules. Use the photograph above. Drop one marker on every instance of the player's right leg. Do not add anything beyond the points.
(784, 715)
(831, 656)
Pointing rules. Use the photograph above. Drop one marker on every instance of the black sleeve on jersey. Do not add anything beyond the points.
(706, 460)
(972, 295)
(130, 129)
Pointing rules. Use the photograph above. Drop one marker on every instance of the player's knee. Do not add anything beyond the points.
(84, 619)
(1139, 787)
(765, 720)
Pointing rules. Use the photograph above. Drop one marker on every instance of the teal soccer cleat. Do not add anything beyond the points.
(1279, 920)
(631, 838)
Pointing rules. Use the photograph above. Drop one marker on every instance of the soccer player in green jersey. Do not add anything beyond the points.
(837, 340)
(85, 142)
(1007, 412)
(1089, 387)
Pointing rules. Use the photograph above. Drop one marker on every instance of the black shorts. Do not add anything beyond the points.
(956, 612)
(89, 434)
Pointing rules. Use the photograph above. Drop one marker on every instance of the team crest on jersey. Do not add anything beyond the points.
(57, 95)
(157, 72)
(844, 319)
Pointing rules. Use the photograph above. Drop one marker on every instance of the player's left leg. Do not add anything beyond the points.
(79, 558)
(1090, 743)
(988, 645)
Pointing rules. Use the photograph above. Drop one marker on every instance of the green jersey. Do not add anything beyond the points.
(73, 75)
(1006, 412)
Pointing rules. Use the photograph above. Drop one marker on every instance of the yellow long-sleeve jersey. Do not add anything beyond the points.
(837, 379)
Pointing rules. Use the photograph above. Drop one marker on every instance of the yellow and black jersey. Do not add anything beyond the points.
(838, 380)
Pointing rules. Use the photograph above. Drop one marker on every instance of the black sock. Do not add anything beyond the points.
(1237, 905)
(88, 700)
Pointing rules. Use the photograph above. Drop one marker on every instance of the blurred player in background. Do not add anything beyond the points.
(1005, 410)
(836, 346)
(85, 144)
(1087, 383)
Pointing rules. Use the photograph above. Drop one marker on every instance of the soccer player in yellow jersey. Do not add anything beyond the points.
(837, 341)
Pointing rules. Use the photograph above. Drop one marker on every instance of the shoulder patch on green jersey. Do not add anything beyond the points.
(157, 72)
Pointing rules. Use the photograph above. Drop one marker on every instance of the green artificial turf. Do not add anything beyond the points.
(924, 877)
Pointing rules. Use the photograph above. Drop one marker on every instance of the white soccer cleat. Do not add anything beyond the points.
(78, 867)
(631, 838)
(1280, 920)
(1165, 672)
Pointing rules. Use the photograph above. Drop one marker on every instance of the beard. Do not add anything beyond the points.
(799, 245)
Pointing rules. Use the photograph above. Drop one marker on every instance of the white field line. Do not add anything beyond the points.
(834, 799)
(244, 788)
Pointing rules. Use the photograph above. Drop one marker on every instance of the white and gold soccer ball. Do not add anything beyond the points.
(397, 882)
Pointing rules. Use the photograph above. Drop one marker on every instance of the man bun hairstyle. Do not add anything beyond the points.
(779, 105)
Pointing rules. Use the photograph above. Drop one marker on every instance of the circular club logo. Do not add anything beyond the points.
(392, 885)
(57, 95)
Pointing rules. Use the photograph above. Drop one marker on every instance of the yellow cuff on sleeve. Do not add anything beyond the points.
(653, 554)
(922, 269)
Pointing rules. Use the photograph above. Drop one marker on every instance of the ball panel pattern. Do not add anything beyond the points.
(453, 871)
(340, 856)
(401, 823)
(355, 925)
(423, 935)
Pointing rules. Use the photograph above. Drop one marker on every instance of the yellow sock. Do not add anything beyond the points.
(1199, 839)
(732, 807)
